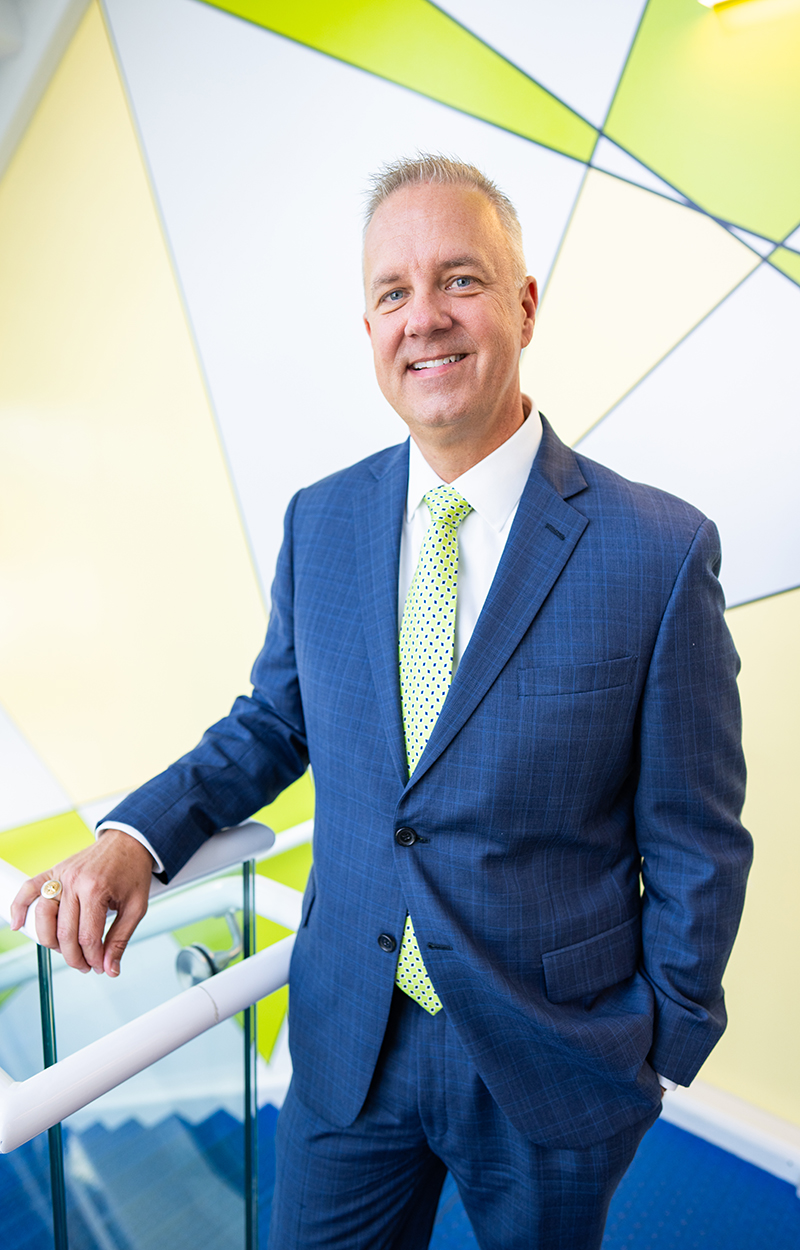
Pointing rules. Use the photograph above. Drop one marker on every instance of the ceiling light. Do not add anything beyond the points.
(748, 11)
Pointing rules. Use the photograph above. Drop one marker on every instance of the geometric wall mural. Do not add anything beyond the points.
(711, 434)
(122, 557)
(670, 101)
(180, 230)
(272, 278)
(636, 273)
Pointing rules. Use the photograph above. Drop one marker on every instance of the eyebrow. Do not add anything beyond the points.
(384, 279)
(456, 262)
(464, 262)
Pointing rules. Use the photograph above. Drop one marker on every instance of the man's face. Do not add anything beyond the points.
(446, 319)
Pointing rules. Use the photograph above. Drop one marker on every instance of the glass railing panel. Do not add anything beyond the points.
(274, 1066)
(159, 1160)
(27, 1220)
(172, 1137)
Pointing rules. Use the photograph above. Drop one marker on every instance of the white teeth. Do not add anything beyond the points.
(434, 364)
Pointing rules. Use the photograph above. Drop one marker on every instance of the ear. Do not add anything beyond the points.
(367, 326)
(529, 298)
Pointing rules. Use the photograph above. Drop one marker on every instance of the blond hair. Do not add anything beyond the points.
(426, 168)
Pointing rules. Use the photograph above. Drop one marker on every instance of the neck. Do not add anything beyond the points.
(451, 459)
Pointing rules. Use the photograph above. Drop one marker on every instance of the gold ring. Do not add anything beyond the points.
(51, 889)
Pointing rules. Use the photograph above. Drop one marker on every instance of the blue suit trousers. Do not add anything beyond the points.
(375, 1185)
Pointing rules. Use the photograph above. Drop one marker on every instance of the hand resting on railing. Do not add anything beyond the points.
(115, 875)
(111, 875)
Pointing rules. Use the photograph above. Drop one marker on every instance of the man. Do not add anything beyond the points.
(477, 983)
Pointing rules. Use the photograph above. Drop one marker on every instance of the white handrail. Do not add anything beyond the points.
(226, 849)
(29, 1107)
(297, 835)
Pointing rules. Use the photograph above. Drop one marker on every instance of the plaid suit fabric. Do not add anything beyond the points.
(377, 1182)
(591, 731)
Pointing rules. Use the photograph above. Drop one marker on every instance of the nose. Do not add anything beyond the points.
(427, 312)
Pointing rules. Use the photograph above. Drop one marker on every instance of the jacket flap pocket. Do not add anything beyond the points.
(553, 679)
(590, 966)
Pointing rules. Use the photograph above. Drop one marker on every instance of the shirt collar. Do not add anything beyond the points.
(493, 486)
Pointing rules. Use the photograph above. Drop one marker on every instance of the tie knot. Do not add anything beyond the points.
(446, 506)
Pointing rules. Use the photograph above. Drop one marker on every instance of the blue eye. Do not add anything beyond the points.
(461, 283)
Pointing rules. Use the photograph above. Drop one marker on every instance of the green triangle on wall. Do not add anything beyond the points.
(413, 43)
(787, 261)
(36, 847)
(713, 106)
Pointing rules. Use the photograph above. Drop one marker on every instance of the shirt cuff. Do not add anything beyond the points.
(666, 1083)
(135, 834)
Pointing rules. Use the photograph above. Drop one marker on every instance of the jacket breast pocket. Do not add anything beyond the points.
(567, 679)
(593, 965)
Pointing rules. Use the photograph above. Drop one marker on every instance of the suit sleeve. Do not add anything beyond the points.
(243, 761)
(696, 854)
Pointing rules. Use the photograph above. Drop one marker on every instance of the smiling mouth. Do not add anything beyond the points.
(435, 364)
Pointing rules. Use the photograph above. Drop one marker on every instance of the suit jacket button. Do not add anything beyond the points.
(405, 837)
(387, 943)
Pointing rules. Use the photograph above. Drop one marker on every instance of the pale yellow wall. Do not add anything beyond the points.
(131, 612)
(758, 1056)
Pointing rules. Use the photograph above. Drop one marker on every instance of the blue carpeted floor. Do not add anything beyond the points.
(679, 1193)
(682, 1192)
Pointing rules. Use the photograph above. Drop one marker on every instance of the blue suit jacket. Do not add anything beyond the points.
(590, 741)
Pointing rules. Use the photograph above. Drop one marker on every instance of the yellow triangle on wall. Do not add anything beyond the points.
(635, 273)
(123, 547)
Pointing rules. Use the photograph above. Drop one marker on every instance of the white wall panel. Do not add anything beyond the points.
(717, 423)
(28, 790)
(575, 48)
(614, 160)
(259, 151)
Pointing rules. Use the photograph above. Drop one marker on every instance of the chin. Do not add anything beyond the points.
(434, 416)
(443, 421)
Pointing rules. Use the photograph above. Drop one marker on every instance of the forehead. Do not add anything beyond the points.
(426, 226)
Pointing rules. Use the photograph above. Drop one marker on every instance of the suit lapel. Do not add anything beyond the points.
(545, 532)
(379, 518)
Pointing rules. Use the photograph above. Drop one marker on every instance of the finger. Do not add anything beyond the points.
(119, 934)
(27, 894)
(68, 921)
(93, 918)
(47, 922)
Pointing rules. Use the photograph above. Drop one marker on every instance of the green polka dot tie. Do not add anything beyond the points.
(427, 639)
